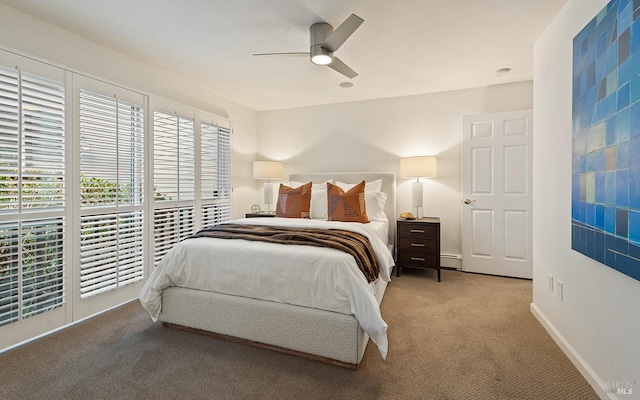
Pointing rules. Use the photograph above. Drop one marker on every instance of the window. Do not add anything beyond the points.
(78, 206)
(215, 169)
(32, 195)
(174, 181)
(111, 174)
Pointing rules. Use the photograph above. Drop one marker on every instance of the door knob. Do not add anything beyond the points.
(469, 201)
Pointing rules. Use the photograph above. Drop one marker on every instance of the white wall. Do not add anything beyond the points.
(374, 135)
(598, 322)
(35, 38)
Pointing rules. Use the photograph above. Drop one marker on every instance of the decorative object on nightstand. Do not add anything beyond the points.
(418, 167)
(268, 170)
(418, 244)
(407, 215)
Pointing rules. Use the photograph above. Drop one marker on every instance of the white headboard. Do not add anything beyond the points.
(388, 187)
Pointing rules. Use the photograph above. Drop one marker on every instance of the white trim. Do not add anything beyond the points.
(587, 372)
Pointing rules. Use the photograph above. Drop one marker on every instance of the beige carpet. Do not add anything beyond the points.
(468, 337)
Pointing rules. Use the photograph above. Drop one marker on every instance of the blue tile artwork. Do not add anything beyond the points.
(605, 181)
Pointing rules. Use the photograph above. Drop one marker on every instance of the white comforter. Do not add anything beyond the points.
(307, 276)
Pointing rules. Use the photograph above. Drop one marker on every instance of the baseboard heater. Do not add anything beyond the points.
(451, 261)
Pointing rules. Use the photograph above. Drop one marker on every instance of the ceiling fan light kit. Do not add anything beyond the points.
(325, 41)
(320, 55)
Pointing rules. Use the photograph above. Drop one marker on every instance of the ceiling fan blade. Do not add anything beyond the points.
(293, 54)
(342, 33)
(343, 68)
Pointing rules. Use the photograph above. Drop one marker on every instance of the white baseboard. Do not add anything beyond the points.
(589, 374)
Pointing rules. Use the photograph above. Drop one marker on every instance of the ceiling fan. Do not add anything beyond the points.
(325, 41)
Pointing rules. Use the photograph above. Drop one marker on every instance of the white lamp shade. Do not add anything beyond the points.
(418, 167)
(268, 170)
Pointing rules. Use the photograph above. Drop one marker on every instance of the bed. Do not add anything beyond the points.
(283, 315)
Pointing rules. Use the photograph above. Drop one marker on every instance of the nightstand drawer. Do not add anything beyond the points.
(420, 245)
(418, 260)
(417, 229)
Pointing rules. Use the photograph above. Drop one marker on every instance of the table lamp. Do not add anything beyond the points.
(418, 167)
(268, 170)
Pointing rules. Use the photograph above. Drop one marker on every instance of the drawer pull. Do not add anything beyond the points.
(417, 231)
(417, 244)
(417, 259)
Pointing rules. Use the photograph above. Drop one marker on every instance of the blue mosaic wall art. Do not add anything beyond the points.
(605, 203)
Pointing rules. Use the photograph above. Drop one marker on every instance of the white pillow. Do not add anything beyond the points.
(375, 206)
(373, 186)
(319, 204)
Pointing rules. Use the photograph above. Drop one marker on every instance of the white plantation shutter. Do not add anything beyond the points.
(174, 180)
(170, 226)
(112, 252)
(9, 139)
(9, 273)
(43, 158)
(215, 150)
(32, 138)
(42, 249)
(186, 160)
(32, 195)
(111, 150)
(37, 245)
(173, 157)
(111, 169)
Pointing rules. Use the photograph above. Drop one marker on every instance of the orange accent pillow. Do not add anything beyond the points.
(294, 202)
(347, 207)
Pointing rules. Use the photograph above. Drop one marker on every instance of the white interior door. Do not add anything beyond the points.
(496, 189)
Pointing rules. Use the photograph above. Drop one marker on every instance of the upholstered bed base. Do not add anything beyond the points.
(308, 332)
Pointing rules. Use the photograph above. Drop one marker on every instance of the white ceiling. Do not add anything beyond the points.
(403, 47)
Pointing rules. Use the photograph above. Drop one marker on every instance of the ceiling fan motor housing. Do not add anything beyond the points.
(325, 41)
(318, 33)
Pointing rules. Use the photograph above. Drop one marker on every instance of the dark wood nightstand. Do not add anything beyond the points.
(418, 244)
(258, 215)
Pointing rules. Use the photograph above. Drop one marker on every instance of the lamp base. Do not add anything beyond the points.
(268, 195)
(417, 198)
(419, 213)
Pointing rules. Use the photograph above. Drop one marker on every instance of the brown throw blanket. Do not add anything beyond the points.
(350, 242)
